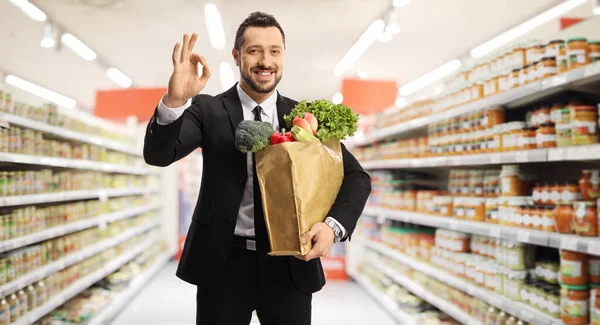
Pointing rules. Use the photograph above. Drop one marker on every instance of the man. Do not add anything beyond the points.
(226, 251)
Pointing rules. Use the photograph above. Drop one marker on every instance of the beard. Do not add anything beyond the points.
(259, 88)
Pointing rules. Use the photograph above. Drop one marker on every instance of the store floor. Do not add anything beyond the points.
(169, 301)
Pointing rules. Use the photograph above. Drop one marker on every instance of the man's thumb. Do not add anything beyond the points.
(306, 238)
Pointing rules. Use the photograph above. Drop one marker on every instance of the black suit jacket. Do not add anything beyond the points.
(210, 123)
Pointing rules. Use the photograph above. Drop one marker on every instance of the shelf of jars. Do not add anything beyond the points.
(525, 75)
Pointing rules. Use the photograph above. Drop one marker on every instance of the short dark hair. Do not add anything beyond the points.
(256, 19)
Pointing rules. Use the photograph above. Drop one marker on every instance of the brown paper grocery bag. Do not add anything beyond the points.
(299, 183)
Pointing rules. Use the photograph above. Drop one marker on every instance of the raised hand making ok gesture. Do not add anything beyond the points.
(185, 82)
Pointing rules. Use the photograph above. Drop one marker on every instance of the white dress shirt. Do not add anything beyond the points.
(245, 221)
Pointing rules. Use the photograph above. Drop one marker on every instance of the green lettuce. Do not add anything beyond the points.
(336, 121)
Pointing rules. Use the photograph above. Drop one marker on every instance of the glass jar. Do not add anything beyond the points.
(547, 68)
(524, 75)
(584, 125)
(573, 268)
(577, 50)
(589, 184)
(510, 135)
(594, 269)
(562, 59)
(552, 49)
(563, 128)
(527, 138)
(545, 136)
(585, 218)
(513, 81)
(594, 51)
(563, 216)
(574, 304)
(548, 221)
(512, 181)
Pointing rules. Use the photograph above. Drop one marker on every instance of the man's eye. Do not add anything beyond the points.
(276, 52)
(253, 51)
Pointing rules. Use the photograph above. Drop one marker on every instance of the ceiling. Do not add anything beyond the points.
(137, 37)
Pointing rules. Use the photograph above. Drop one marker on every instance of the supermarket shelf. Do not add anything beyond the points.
(426, 295)
(517, 309)
(11, 244)
(68, 134)
(71, 259)
(385, 301)
(125, 297)
(72, 163)
(72, 196)
(579, 153)
(590, 245)
(82, 284)
(518, 96)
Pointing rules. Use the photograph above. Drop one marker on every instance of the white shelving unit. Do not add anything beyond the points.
(120, 302)
(590, 245)
(579, 153)
(16, 200)
(517, 96)
(73, 163)
(84, 283)
(517, 309)
(104, 219)
(385, 301)
(428, 296)
(68, 134)
(71, 259)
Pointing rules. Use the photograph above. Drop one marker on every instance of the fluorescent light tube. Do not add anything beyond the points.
(338, 98)
(119, 77)
(78, 47)
(30, 10)
(216, 33)
(597, 11)
(393, 28)
(227, 76)
(400, 3)
(429, 78)
(357, 50)
(524, 28)
(47, 42)
(40, 91)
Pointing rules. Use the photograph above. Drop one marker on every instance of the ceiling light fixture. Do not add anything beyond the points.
(597, 7)
(524, 28)
(227, 76)
(338, 98)
(216, 34)
(40, 91)
(400, 3)
(359, 48)
(393, 28)
(430, 77)
(118, 77)
(78, 47)
(30, 10)
(384, 37)
(48, 40)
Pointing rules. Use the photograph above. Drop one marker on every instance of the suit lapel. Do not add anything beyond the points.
(283, 108)
(233, 105)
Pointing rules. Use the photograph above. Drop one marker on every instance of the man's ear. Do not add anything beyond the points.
(236, 57)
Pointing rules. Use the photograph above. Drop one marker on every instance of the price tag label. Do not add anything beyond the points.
(103, 196)
(523, 236)
(555, 154)
(592, 69)
(568, 243)
(381, 218)
(496, 158)
(593, 247)
(522, 157)
(102, 224)
(578, 153)
(495, 232)
(527, 316)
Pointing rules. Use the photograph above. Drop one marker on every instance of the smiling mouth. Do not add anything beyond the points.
(264, 74)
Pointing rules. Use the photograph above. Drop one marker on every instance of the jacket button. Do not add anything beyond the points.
(231, 219)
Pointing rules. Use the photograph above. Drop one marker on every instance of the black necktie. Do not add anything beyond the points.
(260, 228)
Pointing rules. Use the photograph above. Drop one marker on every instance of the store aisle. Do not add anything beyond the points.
(170, 301)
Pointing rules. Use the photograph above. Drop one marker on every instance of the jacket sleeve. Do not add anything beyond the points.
(166, 144)
(353, 194)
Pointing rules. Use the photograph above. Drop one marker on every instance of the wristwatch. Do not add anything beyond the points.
(337, 231)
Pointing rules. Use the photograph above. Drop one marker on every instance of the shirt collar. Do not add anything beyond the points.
(268, 106)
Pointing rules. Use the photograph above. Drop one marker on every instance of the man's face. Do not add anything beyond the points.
(261, 58)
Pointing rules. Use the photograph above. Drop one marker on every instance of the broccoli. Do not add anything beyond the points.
(252, 135)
